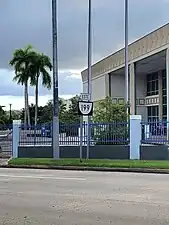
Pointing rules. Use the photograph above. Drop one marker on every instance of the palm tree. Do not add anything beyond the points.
(21, 61)
(40, 67)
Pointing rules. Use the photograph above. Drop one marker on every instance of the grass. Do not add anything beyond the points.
(91, 163)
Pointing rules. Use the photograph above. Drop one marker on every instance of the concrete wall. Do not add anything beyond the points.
(117, 86)
(98, 87)
(96, 152)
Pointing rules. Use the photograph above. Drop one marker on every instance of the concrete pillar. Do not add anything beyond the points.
(160, 87)
(15, 137)
(135, 136)
(107, 85)
(132, 89)
(167, 85)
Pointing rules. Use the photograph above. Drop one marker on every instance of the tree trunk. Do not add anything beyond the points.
(36, 101)
(25, 113)
(28, 111)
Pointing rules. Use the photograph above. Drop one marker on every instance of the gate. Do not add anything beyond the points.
(5, 141)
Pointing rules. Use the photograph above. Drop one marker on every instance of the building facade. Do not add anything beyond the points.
(148, 76)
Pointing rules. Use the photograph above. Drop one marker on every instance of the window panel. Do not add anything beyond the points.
(152, 84)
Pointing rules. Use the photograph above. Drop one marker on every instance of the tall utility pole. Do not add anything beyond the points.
(10, 113)
(126, 57)
(55, 130)
(89, 70)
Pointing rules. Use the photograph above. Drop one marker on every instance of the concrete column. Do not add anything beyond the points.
(132, 89)
(135, 136)
(160, 86)
(167, 84)
(15, 137)
(107, 85)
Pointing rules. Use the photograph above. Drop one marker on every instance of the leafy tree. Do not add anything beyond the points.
(41, 65)
(106, 111)
(72, 113)
(110, 119)
(21, 62)
(32, 113)
(47, 112)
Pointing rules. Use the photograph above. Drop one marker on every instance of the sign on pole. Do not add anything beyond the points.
(85, 108)
(85, 96)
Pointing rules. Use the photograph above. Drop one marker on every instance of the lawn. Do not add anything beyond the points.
(91, 163)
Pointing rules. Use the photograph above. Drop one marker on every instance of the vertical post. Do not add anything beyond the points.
(81, 137)
(55, 130)
(126, 56)
(167, 86)
(135, 136)
(15, 137)
(89, 72)
(132, 90)
(10, 113)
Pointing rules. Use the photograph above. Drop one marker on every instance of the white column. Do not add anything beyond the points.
(132, 90)
(167, 85)
(107, 85)
(15, 137)
(135, 136)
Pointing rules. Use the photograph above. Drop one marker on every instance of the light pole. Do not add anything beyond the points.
(55, 130)
(89, 69)
(126, 58)
(10, 113)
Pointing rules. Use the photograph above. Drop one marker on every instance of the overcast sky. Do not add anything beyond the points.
(29, 21)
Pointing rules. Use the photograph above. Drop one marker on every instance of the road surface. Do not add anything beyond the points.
(76, 198)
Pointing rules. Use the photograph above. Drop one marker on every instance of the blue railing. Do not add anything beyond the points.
(70, 134)
(155, 132)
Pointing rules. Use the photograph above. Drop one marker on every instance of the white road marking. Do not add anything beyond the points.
(43, 177)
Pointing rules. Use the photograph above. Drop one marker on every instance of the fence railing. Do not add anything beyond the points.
(115, 133)
(155, 132)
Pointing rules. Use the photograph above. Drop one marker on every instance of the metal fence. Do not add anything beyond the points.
(5, 141)
(69, 134)
(155, 132)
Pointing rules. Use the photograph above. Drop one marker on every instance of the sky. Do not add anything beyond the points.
(25, 22)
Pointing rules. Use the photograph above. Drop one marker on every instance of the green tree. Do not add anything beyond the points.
(105, 112)
(111, 126)
(32, 113)
(47, 112)
(21, 61)
(72, 113)
(41, 65)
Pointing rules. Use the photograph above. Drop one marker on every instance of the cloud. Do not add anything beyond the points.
(18, 28)
(69, 84)
(18, 101)
(29, 21)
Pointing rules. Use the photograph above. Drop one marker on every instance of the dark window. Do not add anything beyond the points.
(153, 113)
(152, 84)
(164, 87)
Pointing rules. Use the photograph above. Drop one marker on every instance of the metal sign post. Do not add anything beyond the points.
(81, 138)
(85, 108)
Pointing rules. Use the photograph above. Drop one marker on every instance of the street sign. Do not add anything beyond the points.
(85, 108)
(85, 96)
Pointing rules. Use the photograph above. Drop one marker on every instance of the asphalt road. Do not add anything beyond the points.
(76, 198)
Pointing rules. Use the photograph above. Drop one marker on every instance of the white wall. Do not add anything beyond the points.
(98, 88)
(117, 86)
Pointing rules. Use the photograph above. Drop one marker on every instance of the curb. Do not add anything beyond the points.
(96, 169)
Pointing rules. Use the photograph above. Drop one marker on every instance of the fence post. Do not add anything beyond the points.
(15, 137)
(135, 136)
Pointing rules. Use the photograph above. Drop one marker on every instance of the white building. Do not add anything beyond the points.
(148, 76)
